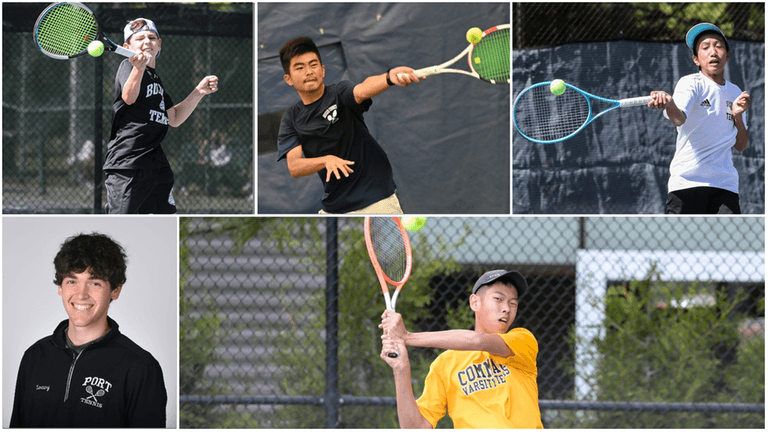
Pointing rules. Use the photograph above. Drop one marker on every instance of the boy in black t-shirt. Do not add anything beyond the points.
(138, 175)
(325, 133)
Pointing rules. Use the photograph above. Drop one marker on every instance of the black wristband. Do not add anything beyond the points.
(389, 82)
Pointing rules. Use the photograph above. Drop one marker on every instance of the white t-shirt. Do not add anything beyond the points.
(704, 141)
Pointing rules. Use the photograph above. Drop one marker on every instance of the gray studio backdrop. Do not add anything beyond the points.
(447, 137)
(620, 163)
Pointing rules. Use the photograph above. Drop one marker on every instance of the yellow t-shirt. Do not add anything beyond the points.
(481, 390)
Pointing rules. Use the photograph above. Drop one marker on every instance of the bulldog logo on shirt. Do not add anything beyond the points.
(331, 114)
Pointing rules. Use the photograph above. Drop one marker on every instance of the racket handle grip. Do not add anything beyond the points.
(638, 101)
(124, 52)
(421, 72)
(425, 72)
(393, 354)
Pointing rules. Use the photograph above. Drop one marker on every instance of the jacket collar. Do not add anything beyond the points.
(59, 336)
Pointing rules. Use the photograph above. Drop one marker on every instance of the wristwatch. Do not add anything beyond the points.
(389, 82)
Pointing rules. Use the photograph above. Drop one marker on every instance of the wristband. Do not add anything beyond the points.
(389, 82)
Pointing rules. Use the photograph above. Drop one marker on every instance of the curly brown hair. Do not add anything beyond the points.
(98, 253)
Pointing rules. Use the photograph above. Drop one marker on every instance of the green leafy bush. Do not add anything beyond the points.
(655, 350)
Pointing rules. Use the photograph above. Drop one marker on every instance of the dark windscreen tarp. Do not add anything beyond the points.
(620, 162)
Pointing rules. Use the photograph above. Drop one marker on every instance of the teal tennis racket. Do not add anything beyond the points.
(64, 30)
(545, 118)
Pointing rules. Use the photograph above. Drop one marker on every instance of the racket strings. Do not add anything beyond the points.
(66, 30)
(490, 57)
(389, 247)
(543, 116)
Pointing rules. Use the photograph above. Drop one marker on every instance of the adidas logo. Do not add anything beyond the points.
(706, 103)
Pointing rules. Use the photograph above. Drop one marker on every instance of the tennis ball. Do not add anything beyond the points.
(477, 60)
(412, 223)
(95, 48)
(474, 35)
(557, 87)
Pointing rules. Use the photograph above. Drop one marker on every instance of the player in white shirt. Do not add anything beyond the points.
(708, 113)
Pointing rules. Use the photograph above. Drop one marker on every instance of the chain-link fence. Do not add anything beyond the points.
(57, 114)
(641, 322)
(541, 24)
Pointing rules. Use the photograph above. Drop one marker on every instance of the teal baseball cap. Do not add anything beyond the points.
(698, 29)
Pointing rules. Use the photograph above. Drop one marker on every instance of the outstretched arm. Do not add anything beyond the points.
(408, 413)
(375, 85)
(179, 113)
(460, 340)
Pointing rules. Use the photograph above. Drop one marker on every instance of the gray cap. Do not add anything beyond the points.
(492, 276)
(150, 26)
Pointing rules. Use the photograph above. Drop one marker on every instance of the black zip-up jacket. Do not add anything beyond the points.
(111, 383)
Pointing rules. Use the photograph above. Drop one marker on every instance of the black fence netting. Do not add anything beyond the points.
(57, 114)
(640, 322)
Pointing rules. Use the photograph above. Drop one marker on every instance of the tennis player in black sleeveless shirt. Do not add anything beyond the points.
(325, 133)
(138, 175)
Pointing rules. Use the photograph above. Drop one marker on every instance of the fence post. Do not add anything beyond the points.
(331, 325)
(97, 133)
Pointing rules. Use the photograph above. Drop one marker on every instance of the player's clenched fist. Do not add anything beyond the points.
(389, 345)
(742, 103)
(659, 100)
(140, 60)
(208, 85)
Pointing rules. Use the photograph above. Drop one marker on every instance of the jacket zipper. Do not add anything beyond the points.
(69, 377)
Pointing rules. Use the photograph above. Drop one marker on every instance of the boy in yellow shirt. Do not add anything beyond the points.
(486, 379)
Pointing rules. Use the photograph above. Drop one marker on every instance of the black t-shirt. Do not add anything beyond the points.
(139, 128)
(334, 125)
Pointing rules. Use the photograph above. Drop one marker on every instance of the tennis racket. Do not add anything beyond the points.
(64, 30)
(99, 393)
(545, 118)
(488, 59)
(389, 249)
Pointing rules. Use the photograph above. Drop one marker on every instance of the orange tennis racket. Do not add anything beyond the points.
(389, 249)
